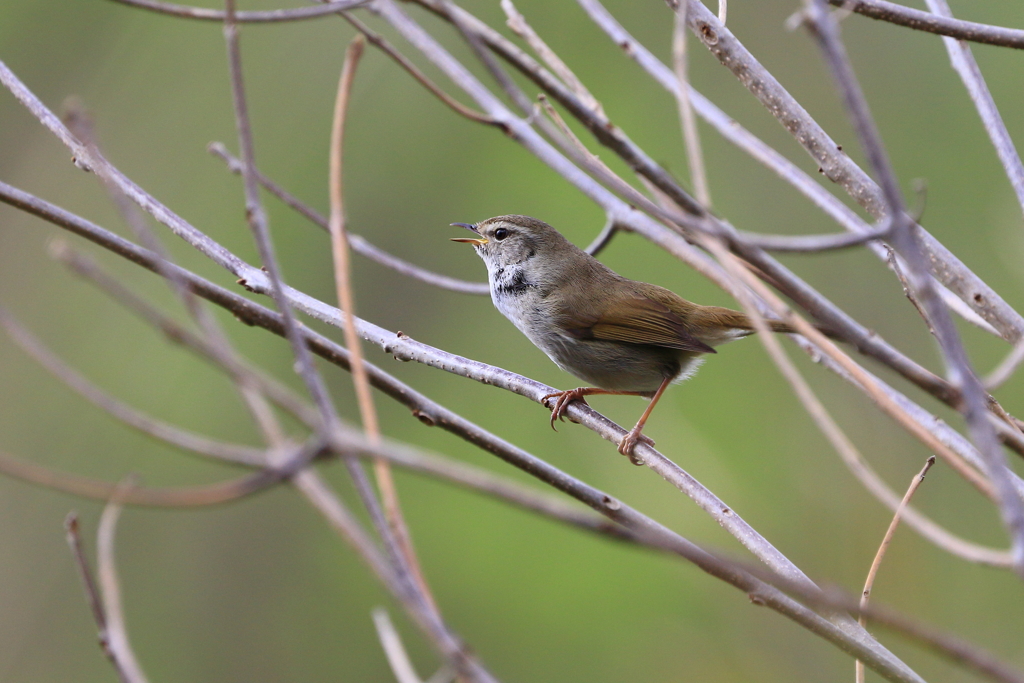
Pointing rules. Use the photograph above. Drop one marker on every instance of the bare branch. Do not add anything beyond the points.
(342, 520)
(906, 240)
(257, 219)
(603, 238)
(171, 496)
(81, 125)
(932, 23)
(833, 163)
(262, 17)
(842, 444)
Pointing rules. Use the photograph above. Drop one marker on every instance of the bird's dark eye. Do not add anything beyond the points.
(500, 234)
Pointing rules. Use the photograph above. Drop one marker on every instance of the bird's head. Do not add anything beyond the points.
(508, 240)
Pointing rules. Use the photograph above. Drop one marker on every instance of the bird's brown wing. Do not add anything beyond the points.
(636, 320)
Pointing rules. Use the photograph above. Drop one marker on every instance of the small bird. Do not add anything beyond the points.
(623, 336)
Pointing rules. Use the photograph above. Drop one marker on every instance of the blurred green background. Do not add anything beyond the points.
(262, 590)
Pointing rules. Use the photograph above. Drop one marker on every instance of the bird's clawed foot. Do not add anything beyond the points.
(562, 401)
(629, 442)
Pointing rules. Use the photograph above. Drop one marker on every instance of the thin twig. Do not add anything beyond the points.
(110, 590)
(257, 219)
(442, 637)
(1006, 368)
(964, 63)
(359, 244)
(342, 520)
(805, 244)
(170, 496)
(387, 48)
(391, 642)
(604, 238)
(346, 302)
(869, 582)
(259, 17)
(694, 155)
(517, 22)
(87, 268)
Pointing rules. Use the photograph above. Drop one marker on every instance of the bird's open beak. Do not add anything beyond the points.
(475, 241)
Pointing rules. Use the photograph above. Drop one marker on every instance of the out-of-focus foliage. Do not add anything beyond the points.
(261, 590)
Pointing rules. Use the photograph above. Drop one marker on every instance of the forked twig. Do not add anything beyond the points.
(92, 594)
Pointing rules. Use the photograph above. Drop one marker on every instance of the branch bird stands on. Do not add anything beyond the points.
(625, 337)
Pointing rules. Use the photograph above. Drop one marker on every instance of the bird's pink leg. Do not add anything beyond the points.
(564, 398)
(634, 435)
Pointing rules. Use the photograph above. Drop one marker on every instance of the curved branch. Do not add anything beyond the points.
(157, 429)
(174, 496)
(805, 244)
(933, 23)
(260, 17)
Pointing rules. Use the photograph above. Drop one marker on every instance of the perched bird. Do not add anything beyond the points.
(623, 336)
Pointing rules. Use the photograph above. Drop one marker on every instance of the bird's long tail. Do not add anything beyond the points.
(724, 318)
